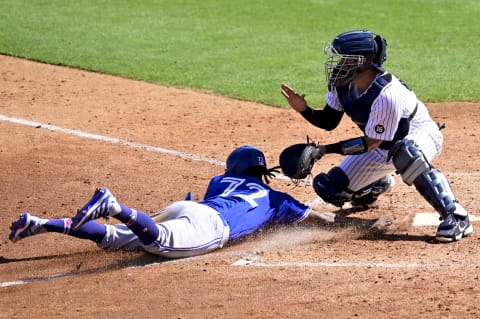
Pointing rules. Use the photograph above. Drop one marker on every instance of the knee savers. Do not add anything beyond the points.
(415, 169)
(332, 187)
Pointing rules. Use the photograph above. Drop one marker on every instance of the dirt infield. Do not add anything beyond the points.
(66, 132)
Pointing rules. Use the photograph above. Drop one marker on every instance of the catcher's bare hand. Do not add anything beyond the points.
(296, 101)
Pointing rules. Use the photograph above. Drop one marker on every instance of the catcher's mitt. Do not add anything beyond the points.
(297, 160)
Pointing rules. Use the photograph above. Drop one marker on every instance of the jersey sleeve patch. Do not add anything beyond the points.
(379, 129)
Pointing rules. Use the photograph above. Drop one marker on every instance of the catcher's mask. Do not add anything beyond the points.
(244, 158)
(351, 53)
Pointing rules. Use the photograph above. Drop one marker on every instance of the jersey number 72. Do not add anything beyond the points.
(255, 190)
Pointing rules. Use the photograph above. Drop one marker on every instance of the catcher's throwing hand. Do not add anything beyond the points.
(296, 101)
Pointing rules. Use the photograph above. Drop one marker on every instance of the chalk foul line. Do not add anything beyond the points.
(111, 140)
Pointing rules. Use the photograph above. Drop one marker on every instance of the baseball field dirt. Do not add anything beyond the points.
(66, 132)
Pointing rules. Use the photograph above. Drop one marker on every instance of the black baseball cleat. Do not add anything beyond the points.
(454, 228)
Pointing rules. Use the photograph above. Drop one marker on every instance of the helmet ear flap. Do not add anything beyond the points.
(381, 50)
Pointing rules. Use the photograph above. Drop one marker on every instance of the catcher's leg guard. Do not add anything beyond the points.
(415, 169)
(332, 187)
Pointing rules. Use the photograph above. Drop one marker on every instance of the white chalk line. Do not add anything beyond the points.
(255, 262)
(34, 279)
(111, 140)
(240, 262)
(58, 276)
(66, 275)
(114, 140)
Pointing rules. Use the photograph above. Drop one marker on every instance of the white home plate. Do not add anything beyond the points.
(432, 219)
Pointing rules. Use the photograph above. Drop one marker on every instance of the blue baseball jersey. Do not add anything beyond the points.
(247, 204)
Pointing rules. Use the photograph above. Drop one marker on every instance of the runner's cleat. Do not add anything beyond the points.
(102, 204)
(26, 225)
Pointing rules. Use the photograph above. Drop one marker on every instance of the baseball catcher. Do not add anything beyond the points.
(398, 134)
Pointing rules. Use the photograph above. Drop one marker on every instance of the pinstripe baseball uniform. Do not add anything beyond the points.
(382, 112)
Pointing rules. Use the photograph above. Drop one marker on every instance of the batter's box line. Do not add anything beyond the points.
(256, 262)
(99, 270)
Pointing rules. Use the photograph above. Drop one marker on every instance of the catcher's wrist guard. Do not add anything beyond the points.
(351, 146)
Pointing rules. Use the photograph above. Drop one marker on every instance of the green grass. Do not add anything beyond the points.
(245, 49)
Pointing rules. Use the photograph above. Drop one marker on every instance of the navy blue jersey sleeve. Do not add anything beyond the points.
(289, 210)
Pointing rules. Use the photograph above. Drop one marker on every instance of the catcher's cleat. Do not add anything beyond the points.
(453, 228)
(102, 204)
(26, 225)
(367, 196)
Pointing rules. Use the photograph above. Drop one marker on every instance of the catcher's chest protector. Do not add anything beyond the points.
(358, 108)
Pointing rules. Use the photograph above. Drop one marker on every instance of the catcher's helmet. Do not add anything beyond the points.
(244, 158)
(351, 53)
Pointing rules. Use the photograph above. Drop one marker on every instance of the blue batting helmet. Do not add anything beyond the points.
(351, 53)
(245, 157)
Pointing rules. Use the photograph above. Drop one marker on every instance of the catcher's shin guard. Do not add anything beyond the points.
(415, 169)
(332, 187)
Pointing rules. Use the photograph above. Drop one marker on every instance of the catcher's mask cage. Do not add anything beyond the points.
(351, 53)
(245, 157)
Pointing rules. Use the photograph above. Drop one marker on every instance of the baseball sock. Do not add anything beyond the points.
(140, 223)
(92, 230)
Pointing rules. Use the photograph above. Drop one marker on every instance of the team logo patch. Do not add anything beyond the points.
(379, 129)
